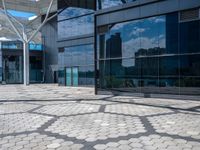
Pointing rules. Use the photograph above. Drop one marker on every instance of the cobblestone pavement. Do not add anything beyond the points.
(49, 117)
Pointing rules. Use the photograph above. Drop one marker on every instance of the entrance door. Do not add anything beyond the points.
(72, 76)
(12, 72)
(75, 76)
(68, 77)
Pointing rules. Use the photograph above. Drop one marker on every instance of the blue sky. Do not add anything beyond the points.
(21, 14)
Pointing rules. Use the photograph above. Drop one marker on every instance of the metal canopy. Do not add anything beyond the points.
(16, 19)
(36, 7)
(6, 31)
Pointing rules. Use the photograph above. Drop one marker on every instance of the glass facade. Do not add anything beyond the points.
(102, 4)
(76, 18)
(76, 23)
(13, 69)
(77, 26)
(36, 73)
(76, 65)
(11, 62)
(152, 55)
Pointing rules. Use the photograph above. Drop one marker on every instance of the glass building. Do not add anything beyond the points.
(11, 62)
(137, 46)
(76, 42)
(75, 28)
(149, 52)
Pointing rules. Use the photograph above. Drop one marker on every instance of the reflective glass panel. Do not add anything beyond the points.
(154, 55)
(82, 76)
(110, 3)
(118, 73)
(172, 30)
(61, 76)
(190, 37)
(71, 12)
(76, 27)
(90, 75)
(75, 76)
(68, 77)
(190, 74)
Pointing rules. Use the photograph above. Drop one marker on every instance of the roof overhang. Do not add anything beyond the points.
(36, 7)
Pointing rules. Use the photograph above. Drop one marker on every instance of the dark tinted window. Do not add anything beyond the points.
(152, 55)
(190, 37)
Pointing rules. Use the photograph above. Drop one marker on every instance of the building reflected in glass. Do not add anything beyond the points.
(138, 47)
(152, 55)
(11, 62)
(76, 31)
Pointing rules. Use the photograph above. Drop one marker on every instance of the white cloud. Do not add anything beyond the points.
(32, 18)
(133, 45)
(156, 19)
(162, 41)
(72, 12)
(74, 27)
(110, 3)
(123, 25)
(4, 39)
(137, 31)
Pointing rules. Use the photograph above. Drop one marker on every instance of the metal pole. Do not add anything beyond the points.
(43, 23)
(26, 63)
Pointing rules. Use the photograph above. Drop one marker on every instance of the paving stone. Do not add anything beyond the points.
(131, 109)
(146, 143)
(14, 123)
(53, 145)
(87, 129)
(112, 144)
(69, 124)
(186, 125)
(38, 143)
(100, 147)
(16, 108)
(68, 109)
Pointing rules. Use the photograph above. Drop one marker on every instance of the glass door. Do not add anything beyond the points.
(68, 77)
(13, 69)
(75, 76)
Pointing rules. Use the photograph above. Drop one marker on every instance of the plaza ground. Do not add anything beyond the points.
(47, 116)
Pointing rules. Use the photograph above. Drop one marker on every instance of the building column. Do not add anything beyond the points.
(26, 62)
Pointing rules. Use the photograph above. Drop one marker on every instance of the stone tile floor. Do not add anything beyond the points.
(50, 117)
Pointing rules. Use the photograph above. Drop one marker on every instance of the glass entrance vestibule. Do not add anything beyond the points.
(76, 65)
(71, 76)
